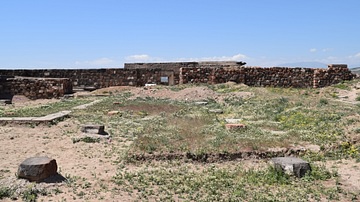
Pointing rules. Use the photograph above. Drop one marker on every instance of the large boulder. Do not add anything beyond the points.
(37, 168)
(292, 166)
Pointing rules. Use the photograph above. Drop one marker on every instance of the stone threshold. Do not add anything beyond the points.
(42, 119)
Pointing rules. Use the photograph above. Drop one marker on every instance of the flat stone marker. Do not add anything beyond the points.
(93, 129)
(110, 113)
(52, 117)
(89, 88)
(201, 103)
(5, 101)
(234, 126)
(37, 168)
(216, 111)
(233, 120)
(84, 106)
(292, 166)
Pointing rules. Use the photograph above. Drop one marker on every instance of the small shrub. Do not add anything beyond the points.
(323, 101)
(357, 130)
(5, 192)
(342, 86)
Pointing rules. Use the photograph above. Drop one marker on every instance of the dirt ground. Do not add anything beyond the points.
(92, 166)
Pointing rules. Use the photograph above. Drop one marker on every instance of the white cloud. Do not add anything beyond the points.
(96, 62)
(313, 50)
(327, 49)
(237, 57)
(142, 57)
(357, 55)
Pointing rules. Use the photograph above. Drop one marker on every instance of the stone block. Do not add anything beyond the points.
(110, 113)
(93, 129)
(5, 101)
(37, 168)
(234, 126)
(216, 111)
(233, 120)
(201, 103)
(292, 166)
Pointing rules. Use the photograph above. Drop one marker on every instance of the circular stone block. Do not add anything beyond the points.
(37, 168)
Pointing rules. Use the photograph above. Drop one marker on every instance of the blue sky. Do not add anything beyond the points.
(108, 33)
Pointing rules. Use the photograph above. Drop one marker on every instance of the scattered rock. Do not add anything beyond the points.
(292, 166)
(5, 101)
(93, 129)
(234, 126)
(201, 103)
(89, 88)
(110, 113)
(37, 168)
(68, 96)
(216, 111)
(233, 120)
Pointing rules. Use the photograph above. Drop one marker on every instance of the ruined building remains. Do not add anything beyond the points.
(49, 83)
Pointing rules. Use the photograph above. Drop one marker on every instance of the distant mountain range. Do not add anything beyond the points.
(304, 64)
(355, 70)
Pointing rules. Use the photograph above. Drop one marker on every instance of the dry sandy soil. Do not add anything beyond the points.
(92, 166)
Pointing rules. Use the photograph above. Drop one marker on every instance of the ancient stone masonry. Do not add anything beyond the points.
(274, 76)
(36, 88)
(333, 75)
(99, 78)
(139, 74)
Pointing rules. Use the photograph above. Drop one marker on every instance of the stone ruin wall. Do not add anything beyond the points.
(99, 78)
(138, 74)
(273, 76)
(36, 88)
(166, 69)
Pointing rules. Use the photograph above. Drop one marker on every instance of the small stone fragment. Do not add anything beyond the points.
(201, 103)
(292, 166)
(93, 129)
(233, 126)
(37, 168)
(216, 111)
(89, 88)
(110, 113)
(233, 120)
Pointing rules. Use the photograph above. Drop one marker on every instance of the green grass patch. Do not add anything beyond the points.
(43, 110)
(212, 183)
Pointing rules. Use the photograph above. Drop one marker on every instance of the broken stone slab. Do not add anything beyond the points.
(216, 111)
(93, 129)
(234, 126)
(292, 166)
(89, 88)
(68, 96)
(201, 103)
(36, 169)
(6, 101)
(233, 120)
(110, 113)
(53, 116)
(84, 106)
